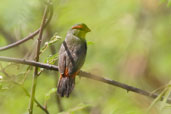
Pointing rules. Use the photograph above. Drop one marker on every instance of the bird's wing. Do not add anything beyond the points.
(71, 57)
(62, 60)
(78, 53)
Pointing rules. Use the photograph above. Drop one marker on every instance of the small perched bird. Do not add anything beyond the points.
(72, 55)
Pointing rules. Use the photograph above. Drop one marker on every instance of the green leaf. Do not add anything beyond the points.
(44, 47)
(53, 40)
(51, 59)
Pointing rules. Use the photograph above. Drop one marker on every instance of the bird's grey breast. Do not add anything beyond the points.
(76, 52)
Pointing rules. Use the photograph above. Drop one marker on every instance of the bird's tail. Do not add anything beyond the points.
(65, 86)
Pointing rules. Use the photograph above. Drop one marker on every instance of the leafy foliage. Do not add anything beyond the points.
(53, 40)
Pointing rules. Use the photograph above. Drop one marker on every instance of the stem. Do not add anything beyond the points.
(35, 75)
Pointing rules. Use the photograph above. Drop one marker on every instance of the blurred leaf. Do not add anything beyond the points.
(3, 88)
(51, 59)
(90, 43)
(168, 106)
(169, 3)
(53, 40)
(44, 47)
(26, 73)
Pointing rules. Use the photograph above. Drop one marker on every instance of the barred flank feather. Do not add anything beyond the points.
(65, 86)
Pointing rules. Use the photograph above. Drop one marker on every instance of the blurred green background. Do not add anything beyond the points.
(130, 42)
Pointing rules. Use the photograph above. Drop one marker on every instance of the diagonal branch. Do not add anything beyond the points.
(86, 75)
(32, 35)
(20, 41)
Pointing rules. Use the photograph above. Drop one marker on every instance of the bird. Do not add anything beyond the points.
(72, 54)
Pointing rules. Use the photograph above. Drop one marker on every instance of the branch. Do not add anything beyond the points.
(20, 41)
(84, 74)
(32, 35)
(35, 75)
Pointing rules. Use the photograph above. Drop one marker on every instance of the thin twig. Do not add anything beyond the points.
(20, 41)
(32, 35)
(86, 75)
(35, 75)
